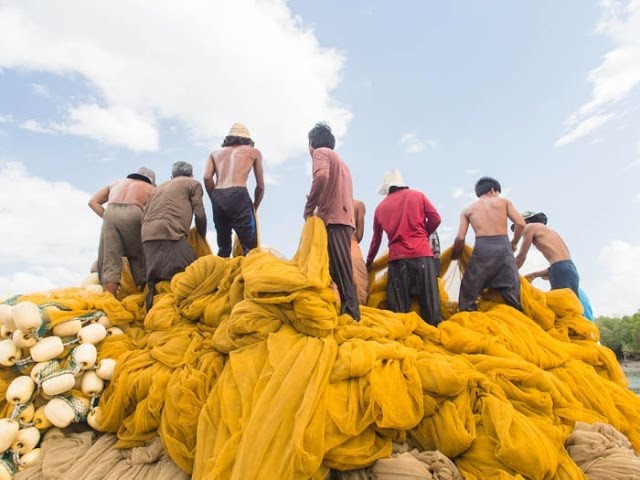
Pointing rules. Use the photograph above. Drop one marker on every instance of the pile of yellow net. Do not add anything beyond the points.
(244, 369)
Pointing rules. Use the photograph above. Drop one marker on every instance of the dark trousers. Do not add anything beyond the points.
(414, 276)
(165, 258)
(493, 266)
(341, 268)
(233, 210)
(564, 274)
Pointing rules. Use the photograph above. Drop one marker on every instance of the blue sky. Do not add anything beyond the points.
(542, 95)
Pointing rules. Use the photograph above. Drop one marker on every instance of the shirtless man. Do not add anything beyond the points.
(360, 275)
(492, 263)
(562, 272)
(230, 200)
(122, 219)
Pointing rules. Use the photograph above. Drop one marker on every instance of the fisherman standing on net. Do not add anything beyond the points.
(225, 179)
(331, 199)
(360, 274)
(408, 218)
(492, 263)
(562, 272)
(166, 223)
(121, 223)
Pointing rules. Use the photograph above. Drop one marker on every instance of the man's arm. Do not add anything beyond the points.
(519, 222)
(541, 273)
(198, 210)
(375, 241)
(458, 244)
(527, 239)
(99, 198)
(257, 170)
(359, 213)
(209, 171)
(432, 216)
(320, 178)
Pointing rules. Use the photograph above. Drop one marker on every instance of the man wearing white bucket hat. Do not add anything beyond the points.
(225, 179)
(121, 224)
(331, 199)
(408, 218)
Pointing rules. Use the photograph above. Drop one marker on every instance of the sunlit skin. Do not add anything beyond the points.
(230, 167)
(358, 216)
(547, 241)
(126, 191)
(488, 217)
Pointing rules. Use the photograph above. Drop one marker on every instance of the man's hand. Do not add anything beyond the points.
(514, 246)
(530, 277)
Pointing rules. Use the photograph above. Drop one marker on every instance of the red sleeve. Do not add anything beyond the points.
(320, 177)
(432, 216)
(375, 240)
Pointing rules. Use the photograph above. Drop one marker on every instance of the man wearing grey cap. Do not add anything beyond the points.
(121, 225)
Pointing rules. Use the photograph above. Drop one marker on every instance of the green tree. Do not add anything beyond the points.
(622, 335)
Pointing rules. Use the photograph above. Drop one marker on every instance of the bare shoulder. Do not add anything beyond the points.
(255, 153)
(503, 201)
(469, 208)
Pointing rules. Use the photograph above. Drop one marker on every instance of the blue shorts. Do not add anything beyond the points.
(564, 274)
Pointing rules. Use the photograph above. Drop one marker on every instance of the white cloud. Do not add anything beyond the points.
(585, 127)
(50, 236)
(458, 192)
(271, 179)
(120, 126)
(40, 89)
(6, 118)
(189, 63)
(413, 144)
(618, 292)
(35, 126)
(634, 163)
(616, 76)
(471, 171)
(636, 198)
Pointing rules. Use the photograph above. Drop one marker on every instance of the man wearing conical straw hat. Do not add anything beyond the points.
(225, 179)
(408, 218)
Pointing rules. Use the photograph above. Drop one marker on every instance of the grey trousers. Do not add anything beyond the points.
(492, 266)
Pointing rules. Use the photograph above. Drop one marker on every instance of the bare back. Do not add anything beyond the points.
(488, 215)
(548, 242)
(358, 218)
(130, 192)
(232, 165)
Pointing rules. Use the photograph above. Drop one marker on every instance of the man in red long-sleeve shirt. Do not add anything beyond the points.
(408, 218)
(331, 198)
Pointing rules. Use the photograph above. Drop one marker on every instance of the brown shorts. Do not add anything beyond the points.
(120, 237)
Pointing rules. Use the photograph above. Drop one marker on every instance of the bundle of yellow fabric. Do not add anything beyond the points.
(245, 370)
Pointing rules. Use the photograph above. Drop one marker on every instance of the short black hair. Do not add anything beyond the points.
(486, 184)
(232, 141)
(320, 136)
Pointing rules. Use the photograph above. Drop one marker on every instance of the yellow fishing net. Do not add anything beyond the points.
(245, 369)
